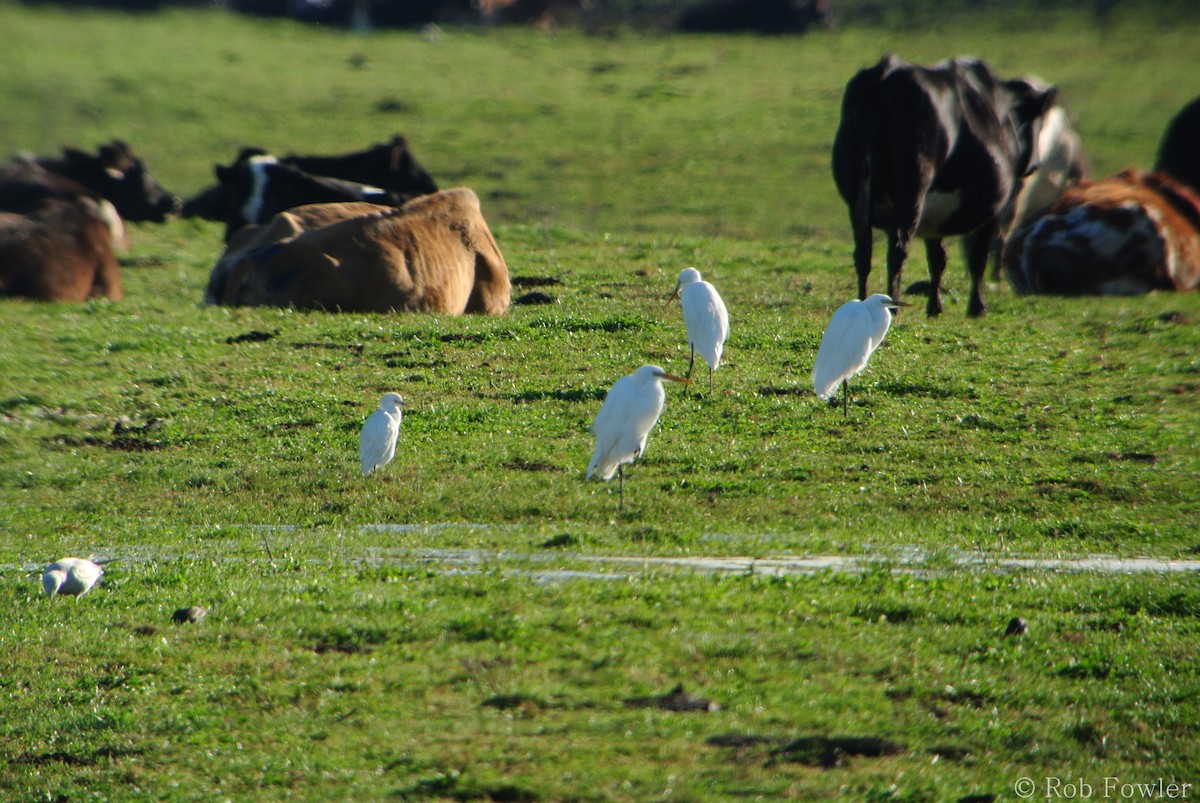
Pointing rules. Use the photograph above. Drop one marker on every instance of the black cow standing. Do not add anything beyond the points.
(933, 152)
(1179, 150)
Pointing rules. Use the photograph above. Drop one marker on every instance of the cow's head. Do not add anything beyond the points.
(120, 176)
(1028, 101)
(402, 163)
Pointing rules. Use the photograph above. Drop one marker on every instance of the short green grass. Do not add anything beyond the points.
(439, 631)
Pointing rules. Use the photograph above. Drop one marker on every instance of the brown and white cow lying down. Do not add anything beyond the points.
(62, 252)
(1124, 235)
(433, 254)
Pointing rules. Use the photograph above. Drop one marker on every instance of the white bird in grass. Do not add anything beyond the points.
(706, 318)
(377, 444)
(630, 411)
(71, 576)
(854, 332)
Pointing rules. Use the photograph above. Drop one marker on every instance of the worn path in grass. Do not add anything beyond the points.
(566, 565)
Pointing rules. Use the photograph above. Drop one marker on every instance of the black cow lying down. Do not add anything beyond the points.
(258, 185)
(933, 152)
(114, 172)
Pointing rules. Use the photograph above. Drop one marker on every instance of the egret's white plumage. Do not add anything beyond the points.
(630, 411)
(377, 444)
(706, 319)
(71, 576)
(854, 332)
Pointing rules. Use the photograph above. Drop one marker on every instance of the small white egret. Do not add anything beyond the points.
(377, 444)
(855, 330)
(706, 318)
(71, 576)
(630, 411)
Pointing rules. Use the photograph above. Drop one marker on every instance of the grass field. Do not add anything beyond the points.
(462, 626)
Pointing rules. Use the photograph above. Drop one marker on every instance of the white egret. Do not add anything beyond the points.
(377, 444)
(71, 576)
(855, 330)
(706, 318)
(630, 411)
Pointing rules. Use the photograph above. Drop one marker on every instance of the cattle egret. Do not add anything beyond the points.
(71, 576)
(854, 331)
(377, 444)
(629, 412)
(706, 319)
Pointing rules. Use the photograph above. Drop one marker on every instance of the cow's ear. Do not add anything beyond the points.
(249, 152)
(1049, 98)
(116, 151)
(224, 174)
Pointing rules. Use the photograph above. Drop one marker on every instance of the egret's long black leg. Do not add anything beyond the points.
(845, 398)
(621, 486)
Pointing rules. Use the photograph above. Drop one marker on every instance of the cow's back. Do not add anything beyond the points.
(63, 253)
(1129, 233)
(435, 253)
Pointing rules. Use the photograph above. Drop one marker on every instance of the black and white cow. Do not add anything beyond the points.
(933, 152)
(117, 174)
(386, 173)
(256, 188)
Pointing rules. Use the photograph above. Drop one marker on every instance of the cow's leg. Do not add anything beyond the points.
(861, 225)
(898, 242)
(977, 246)
(935, 254)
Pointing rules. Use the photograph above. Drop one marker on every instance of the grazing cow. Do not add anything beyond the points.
(933, 152)
(1179, 150)
(115, 172)
(62, 252)
(433, 254)
(389, 166)
(754, 16)
(1124, 235)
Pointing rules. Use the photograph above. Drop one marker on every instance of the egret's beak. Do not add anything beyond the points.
(897, 304)
(671, 297)
(674, 378)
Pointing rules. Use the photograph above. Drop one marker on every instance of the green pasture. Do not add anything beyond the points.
(464, 625)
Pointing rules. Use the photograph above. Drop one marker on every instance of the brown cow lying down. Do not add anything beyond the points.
(63, 252)
(1127, 234)
(433, 254)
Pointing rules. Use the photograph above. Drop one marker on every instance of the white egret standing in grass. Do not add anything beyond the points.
(630, 411)
(855, 330)
(706, 318)
(71, 576)
(377, 444)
